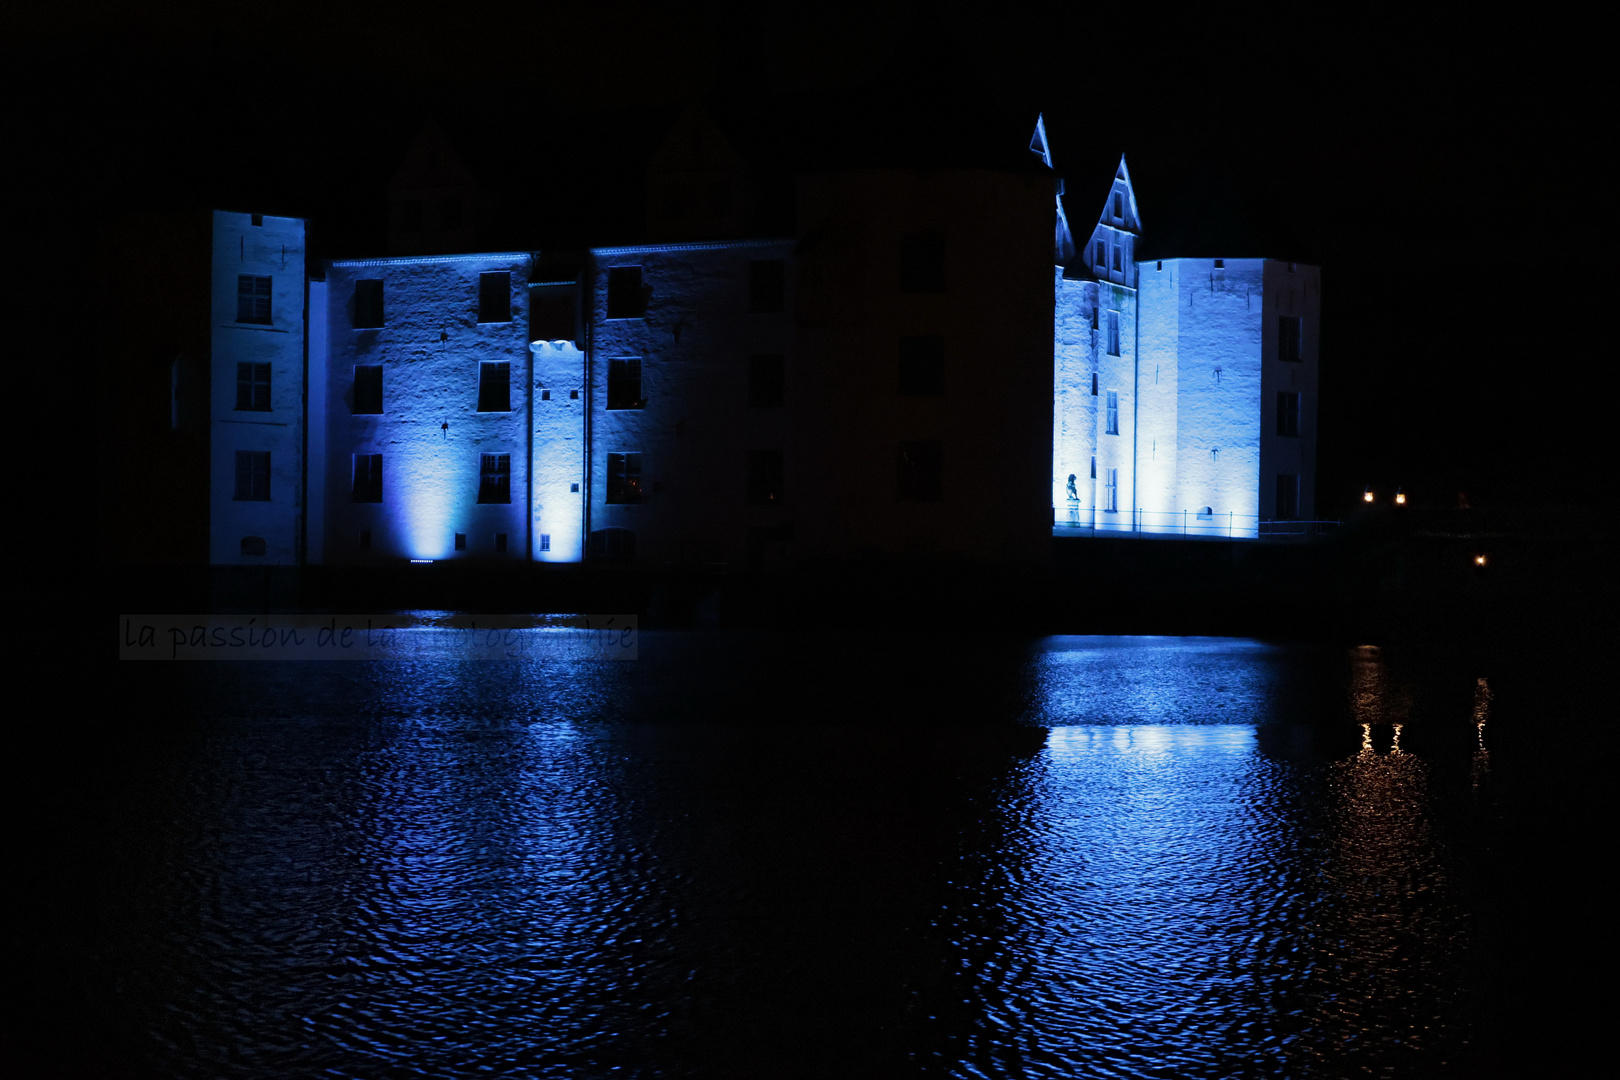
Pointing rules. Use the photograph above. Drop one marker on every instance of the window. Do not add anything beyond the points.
(624, 478)
(1113, 412)
(1287, 497)
(1220, 264)
(1113, 333)
(253, 545)
(624, 293)
(1289, 335)
(253, 299)
(573, 395)
(495, 297)
(367, 478)
(1093, 384)
(573, 489)
(368, 388)
(1288, 413)
(1094, 466)
(767, 285)
(922, 262)
(545, 395)
(1102, 255)
(613, 543)
(368, 303)
(1119, 257)
(545, 541)
(494, 387)
(252, 476)
(257, 220)
(1119, 205)
(919, 470)
(495, 478)
(1111, 491)
(767, 382)
(500, 543)
(765, 476)
(922, 366)
(253, 387)
(624, 384)
(461, 541)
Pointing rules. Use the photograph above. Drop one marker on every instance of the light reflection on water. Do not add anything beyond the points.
(445, 866)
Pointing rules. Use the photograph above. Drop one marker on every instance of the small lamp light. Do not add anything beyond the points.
(1400, 497)
(1479, 560)
(1367, 496)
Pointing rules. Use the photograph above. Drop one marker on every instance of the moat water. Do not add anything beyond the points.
(875, 855)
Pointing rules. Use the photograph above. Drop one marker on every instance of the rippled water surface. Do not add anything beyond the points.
(805, 857)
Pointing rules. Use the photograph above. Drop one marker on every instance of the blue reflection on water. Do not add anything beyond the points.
(450, 865)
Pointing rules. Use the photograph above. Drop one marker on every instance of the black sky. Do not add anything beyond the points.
(1427, 166)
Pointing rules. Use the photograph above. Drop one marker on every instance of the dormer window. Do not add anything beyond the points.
(1102, 254)
(1119, 206)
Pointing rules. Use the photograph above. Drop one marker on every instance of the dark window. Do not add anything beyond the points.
(1288, 412)
(368, 303)
(253, 545)
(922, 262)
(495, 297)
(573, 395)
(922, 366)
(1094, 466)
(368, 388)
(545, 541)
(410, 216)
(918, 473)
(1093, 384)
(624, 478)
(494, 387)
(1102, 254)
(1220, 264)
(613, 544)
(1119, 205)
(545, 395)
(253, 299)
(765, 476)
(1289, 335)
(367, 478)
(624, 293)
(253, 387)
(573, 488)
(495, 478)
(767, 383)
(500, 543)
(1113, 333)
(624, 384)
(767, 285)
(1113, 412)
(252, 476)
(1119, 256)
(461, 541)
(1287, 497)
(257, 220)
(449, 214)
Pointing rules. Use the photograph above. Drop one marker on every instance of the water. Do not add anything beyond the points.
(803, 856)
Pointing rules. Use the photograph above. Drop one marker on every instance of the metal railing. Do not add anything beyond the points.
(1073, 520)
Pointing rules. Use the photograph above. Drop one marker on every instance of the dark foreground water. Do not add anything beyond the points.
(800, 856)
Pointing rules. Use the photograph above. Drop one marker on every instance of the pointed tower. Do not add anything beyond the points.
(697, 183)
(1063, 237)
(1110, 254)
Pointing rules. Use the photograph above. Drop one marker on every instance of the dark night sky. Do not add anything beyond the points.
(1431, 173)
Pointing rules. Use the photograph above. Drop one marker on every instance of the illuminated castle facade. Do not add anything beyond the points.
(919, 369)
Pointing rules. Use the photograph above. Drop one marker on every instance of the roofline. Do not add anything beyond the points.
(413, 260)
(716, 245)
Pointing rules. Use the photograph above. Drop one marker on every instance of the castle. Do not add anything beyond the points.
(934, 363)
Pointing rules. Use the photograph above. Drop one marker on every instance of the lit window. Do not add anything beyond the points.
(1289, 336)
(494, 387)
(922, 262)
(922, 367)
(919, 472)
(495, 297)
(767, 285)
(624, 299)
(253, 299)
(765, 474)
(495, 478)
(1113, 412)
(252, 476)
(368, 303)
(367, 478)
(767, 382)
(624, 384)
(1288, 413)
(624, 478)
(253, 387)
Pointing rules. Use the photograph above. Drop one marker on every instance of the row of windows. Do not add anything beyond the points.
(494, 300)
(494, 478)
(1101, 259)
(767, 289)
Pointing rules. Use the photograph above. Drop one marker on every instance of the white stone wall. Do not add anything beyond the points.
(274, 249)
(430, 432)
(1074, 408)
(696, 430)
(1158, 406)
(558, 494)
(1116, 374)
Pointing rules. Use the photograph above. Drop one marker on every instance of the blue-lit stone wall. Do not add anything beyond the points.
(558, 492)
(273, 250)
(430, 433)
